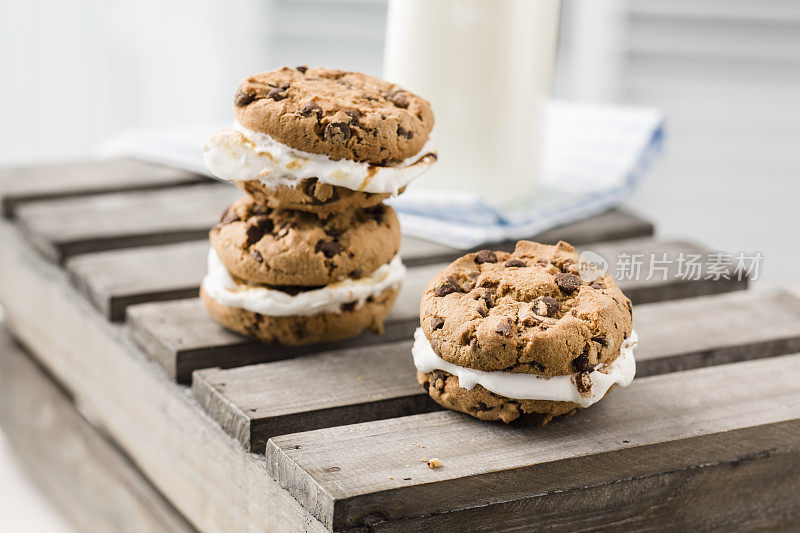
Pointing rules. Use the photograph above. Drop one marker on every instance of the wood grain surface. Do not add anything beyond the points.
(62, 228)
(82, 178)
(349, 476)
(92, 483)
(207, 476)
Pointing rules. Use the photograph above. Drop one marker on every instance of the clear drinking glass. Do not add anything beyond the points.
(487, 68)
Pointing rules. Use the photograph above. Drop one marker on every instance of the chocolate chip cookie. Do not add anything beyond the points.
(344, 115)
(312, 196)
(293, 248)
(349, 321)
(528, 312)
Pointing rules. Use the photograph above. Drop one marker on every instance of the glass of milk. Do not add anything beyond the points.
(487, 68)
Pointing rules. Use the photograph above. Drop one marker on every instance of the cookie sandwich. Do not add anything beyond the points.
(322, 140)
(509, 335)
(292, 278)
(311, 253)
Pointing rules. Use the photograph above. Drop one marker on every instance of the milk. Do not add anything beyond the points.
(487, 68)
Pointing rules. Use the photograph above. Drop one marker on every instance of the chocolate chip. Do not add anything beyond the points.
(445, 288)
(402, 132)
(301, 69)
(228, 216)
(349, 306)
(601, 339)
(357, 273)
(354, 115)
(437, 379)
(254, 234)
(329, 249)
(515, 263)
(582, 363)
(437, 322)
(483, 311)
(399, 98)
(333, 232)
(338, 131)
(320, 193)
(596, 285)
(255, 254)
(485, 256)
(277, 94)
(241, 98)
(263, 222)
(567, 282)
(376, 212)
(545, 306)
(311, 109)
(504, 327)
(488, 297)
(583, 382)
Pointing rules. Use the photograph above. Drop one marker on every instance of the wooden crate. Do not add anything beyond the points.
(99, 278)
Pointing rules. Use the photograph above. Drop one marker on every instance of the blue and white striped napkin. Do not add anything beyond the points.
(594, 156)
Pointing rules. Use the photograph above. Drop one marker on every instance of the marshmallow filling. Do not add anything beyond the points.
(583, 388)
(222, 287)
(240, 154)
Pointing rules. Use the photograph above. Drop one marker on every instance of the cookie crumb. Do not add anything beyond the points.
(435, 463)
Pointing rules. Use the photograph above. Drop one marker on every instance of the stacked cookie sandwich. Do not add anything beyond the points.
(310, 254)
(522, 334)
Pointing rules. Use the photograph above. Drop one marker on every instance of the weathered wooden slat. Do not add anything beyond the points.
(182, 338)
(203, 472)
(613, 225)
(61, 228)
(253, 403)
(82, 178)
(693, 430)
(116, 279)
(91, 482)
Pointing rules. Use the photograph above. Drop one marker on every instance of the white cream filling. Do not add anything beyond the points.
(532, 386)
(239, 154)
(220, 286)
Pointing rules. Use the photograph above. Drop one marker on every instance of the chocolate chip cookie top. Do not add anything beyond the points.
(344, 115)
(526, 312)
(260, 245)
